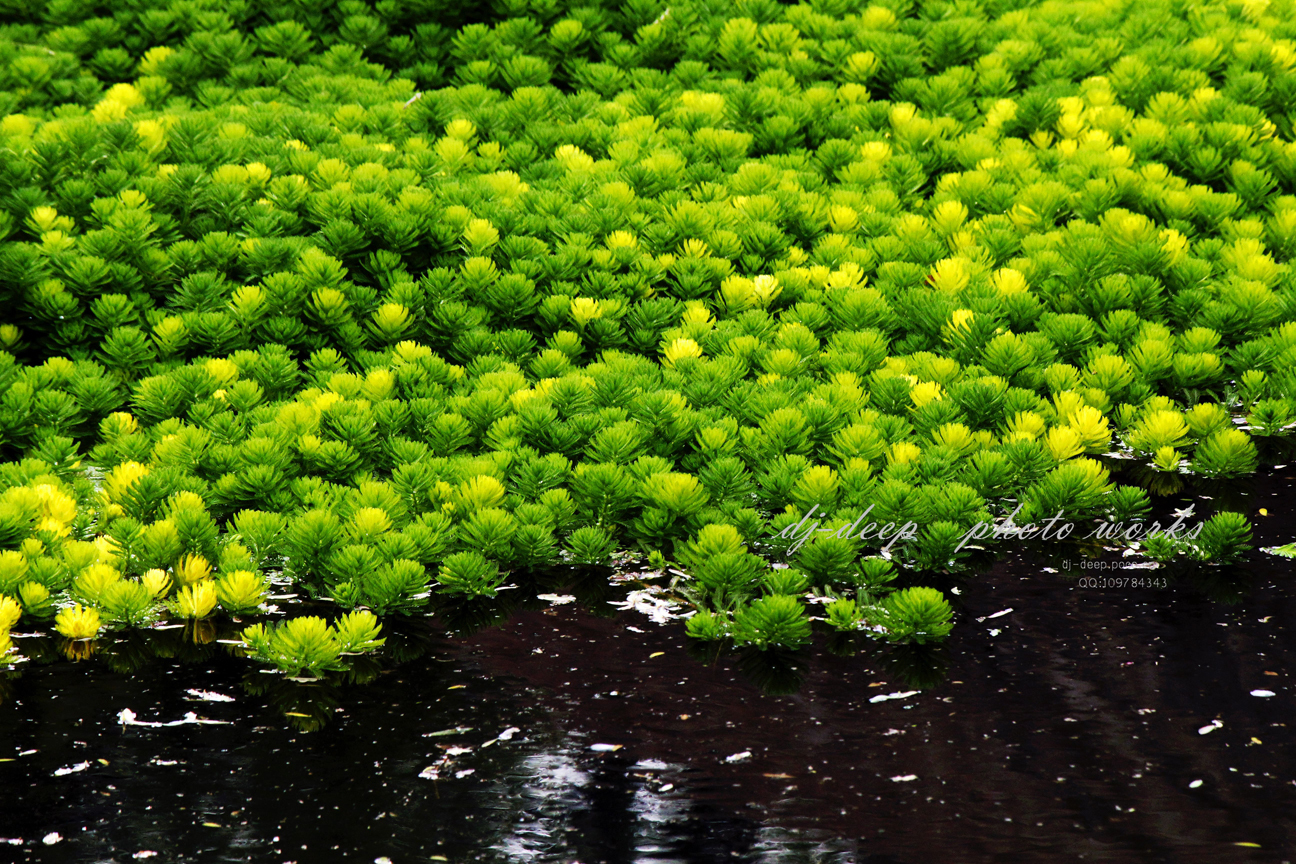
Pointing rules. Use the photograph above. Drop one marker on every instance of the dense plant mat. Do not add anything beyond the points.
(392, 300)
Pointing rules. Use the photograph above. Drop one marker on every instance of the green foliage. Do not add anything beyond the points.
(305, 644)
(776, 620)
(917, 614)
(469, 573)
(355, 295)
(1224, 538)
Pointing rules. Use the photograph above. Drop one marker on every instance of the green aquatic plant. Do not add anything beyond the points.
(708, 626)
(1223, 538)
(305, 644)
(469, 573)
(385, 301)
(127, 600)
(844, 614)
(197, 600)
(36, 599)
(774, 620)
(915, 614)
(1226, 453)
(240, 591)
(357, 632)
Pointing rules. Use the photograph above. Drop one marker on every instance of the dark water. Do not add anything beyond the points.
(1071, 733)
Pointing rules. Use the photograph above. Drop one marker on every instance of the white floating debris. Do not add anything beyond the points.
(72, 769)
(605, 748)
(12, 841)
(893, 732)
(457, 751)
(145, 853)
(556, 599)
(208, 696)
(507, 734)
(455, 731)
(650, 765)
(634, 629)
(1211, 727)
(668, 787)
(898, 695)
(999, 614)
(51, 838)
(647, 602)
(1196, 784)
(739, 757)
(127, 718)
(995, 632)
(429, 773)
(1263, 694)
(459, 775)
(904, 778)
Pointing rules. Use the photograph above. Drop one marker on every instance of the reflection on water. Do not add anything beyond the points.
(1066, 727)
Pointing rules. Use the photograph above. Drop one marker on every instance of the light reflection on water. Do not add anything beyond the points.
(1071, 728)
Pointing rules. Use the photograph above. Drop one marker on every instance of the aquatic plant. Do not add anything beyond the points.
(470, 573)
(77, 622)
(195, 601)
(778, 619)
(919, 614)
(310, 644)
(403, 310)
(1223, 538)
(10, 612)
(240, 591)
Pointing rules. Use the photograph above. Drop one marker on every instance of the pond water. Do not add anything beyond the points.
(1088, 723)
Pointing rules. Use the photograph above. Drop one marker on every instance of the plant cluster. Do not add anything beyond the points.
(400, 296)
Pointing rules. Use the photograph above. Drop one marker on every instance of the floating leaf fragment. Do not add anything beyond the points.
(208, 696)
(455, 731)
(897, 695)
(739, 757)
(71, 769)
